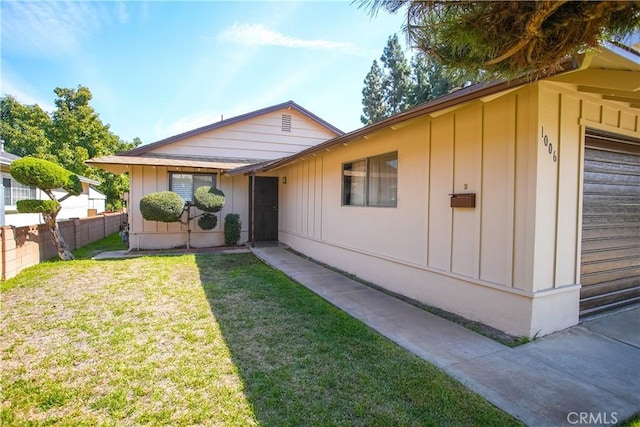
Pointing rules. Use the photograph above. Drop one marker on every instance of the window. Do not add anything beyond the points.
(14, 191)
(371, 182)
(185, 184)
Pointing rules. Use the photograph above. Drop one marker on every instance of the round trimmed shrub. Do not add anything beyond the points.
(45, 175)
(37, 206)
(208, 199)
(207, 221)
(232, 228)
(163, 206)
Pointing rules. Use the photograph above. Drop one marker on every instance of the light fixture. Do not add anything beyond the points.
(284, 179)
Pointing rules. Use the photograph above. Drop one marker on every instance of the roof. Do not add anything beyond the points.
(7, 158)
(119, 163)
(289, 104)
(610, 57)
(452, 99)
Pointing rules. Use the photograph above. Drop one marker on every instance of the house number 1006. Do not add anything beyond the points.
(545, 140)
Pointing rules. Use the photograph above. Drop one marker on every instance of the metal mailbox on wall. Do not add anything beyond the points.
(463, 200)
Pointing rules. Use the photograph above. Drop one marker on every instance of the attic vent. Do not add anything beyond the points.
(286, 123)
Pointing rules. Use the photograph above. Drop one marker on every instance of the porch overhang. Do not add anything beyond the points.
(121, 164)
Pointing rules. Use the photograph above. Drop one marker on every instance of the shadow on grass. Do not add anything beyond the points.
(305, 362)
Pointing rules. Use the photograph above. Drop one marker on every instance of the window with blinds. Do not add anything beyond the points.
(185, 184)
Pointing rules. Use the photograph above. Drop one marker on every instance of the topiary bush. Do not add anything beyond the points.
(45, 175)
(38, 206)
(232, 228)
(208, 199)
(207, 221)
(163, 206)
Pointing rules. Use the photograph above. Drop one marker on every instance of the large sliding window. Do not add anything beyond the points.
(185, 184)
(371, 182)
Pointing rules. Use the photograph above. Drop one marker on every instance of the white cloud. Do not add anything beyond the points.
(260, 35)
(163, 130)
(53, 29)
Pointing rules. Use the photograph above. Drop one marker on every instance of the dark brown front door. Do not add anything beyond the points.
(264, 205)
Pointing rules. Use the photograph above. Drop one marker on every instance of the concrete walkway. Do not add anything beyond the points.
(588, 374)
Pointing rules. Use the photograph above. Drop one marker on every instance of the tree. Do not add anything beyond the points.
(400, 86)
(72, 134)
(168, 206)
(396, 82)
(429, 80)
(506, 39)
(24, 128)
(374, 108)
(46, 176)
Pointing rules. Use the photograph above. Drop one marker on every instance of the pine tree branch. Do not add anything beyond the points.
(542, 13)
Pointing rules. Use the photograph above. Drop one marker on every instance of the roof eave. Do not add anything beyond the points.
(458, 97)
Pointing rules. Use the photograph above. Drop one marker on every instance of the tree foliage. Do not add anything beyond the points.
(47, 176)
(510, 38)
(72, 134)
(396, 82)
(429, 79)
(374, 108)
(400, 84)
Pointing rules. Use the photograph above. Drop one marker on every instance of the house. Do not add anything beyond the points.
(89, 203)
(515, 204)
(202, 157)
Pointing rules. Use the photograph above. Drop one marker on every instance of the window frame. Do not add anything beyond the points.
(366, 186)
(14, 187)
(214, 176)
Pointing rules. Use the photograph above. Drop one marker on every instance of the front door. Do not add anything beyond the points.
(264, 205)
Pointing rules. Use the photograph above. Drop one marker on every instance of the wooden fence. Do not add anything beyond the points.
(25, 246)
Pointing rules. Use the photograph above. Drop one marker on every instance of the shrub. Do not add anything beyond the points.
(209, 199)
(207, 221)
(163, 206)
(232, 228)
(38, 206)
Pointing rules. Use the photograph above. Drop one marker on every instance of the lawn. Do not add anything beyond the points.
(206, 340)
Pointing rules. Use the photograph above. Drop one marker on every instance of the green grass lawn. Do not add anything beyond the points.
(208, 340)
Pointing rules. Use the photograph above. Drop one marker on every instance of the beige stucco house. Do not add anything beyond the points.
(516, 204)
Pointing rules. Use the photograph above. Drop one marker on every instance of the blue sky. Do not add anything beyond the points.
(156, 69)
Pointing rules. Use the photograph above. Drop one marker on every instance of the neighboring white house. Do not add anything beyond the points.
(90, 202)
(515, 204)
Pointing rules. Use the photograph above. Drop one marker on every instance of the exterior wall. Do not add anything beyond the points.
(260, 137)
(564, 115)
(511, 262)
(145, 234)
(23, 247)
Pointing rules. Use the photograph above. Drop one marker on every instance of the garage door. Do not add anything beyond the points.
(610, 267)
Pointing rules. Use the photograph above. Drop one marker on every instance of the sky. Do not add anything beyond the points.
(157, 69)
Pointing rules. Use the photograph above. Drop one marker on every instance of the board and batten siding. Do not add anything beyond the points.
(266, 137)
(513, 261)
(459, 259)
(145, 234)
